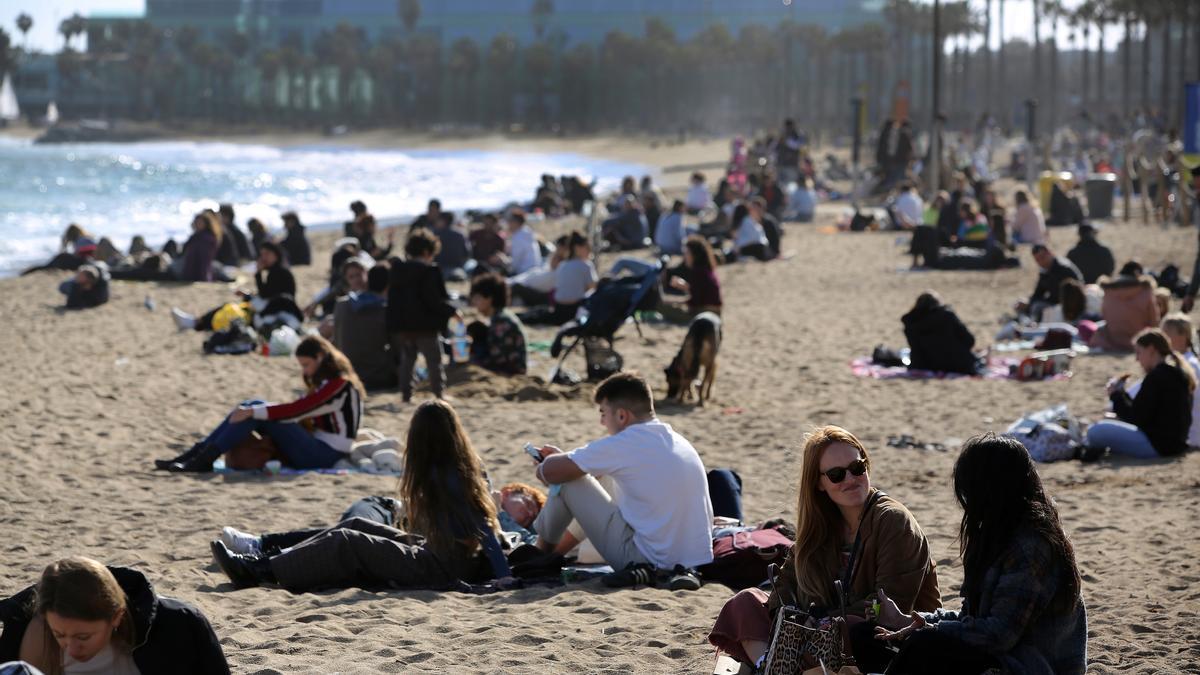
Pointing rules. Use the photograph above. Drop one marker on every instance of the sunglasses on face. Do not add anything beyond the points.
(838, 473)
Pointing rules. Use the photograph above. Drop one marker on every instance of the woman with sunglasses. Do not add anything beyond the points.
(847, 531)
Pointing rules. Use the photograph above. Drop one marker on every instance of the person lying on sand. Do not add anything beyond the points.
(517, 504)
(451, 528)
(1022, 607)
(332, 408)
(83, 617)
(661, 517)
(846, 531)
(78, 247)
(88, 288)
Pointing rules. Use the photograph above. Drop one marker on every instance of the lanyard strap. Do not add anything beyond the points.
(849, 573)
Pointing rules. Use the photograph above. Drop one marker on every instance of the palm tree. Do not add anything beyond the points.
(1037, 48)
(464, 64)
(142, 48)
(1003, 75)
(987, 46)
(1082, 17)
(1054, 10)
(501, 62)
(578, 65)
(270, 63)
(409, 12)
(5, 51)
(24, 23)
(538, 60)
(541, 12)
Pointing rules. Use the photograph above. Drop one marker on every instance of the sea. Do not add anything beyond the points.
(154, 188)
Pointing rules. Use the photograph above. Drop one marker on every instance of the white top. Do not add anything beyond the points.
(698, 197)
(1194, 432)
(108, 661)
(572, 279)
(662, 491)
(670, 233)
(749, 232)
(540, 279)
(524, 251)
(908, 208)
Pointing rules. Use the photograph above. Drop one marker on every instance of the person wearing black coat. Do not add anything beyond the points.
(273, 279)
(88, 288)
(168, 636)
(937, 339)
(1093, 259)
(295, 242)
(1054, 271)
(418, 310)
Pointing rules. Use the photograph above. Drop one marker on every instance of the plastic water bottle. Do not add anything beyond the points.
(461, 351)
(149, 303)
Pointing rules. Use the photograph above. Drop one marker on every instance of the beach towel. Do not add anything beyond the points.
(997, 368)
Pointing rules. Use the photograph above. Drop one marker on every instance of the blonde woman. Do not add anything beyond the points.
(847, 531)
(83, 617)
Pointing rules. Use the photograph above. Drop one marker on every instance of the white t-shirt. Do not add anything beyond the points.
(662, 491)
(909, 209)
(572, 279)
(749, 232)
(698, 197)
(524, 251)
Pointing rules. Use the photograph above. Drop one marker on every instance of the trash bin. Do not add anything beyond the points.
(1100, 188)
(1046, 184)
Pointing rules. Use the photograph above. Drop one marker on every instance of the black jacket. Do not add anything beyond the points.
(170, 636)
(1050, 280)
(1162, 409)
(939, 341)
(296, 245)
(275, 282)
(1093, 259)
(240, 243)
(417, 298)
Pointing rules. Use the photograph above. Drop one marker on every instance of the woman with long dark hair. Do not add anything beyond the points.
(698, 278)
(332, 409)
(449, 522)
(1022, 608)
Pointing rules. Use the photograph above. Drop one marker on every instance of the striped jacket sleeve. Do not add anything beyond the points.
(322, 401)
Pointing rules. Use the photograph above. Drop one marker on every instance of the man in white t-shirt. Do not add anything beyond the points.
(660, 515)
(907, 210)
(523, 248)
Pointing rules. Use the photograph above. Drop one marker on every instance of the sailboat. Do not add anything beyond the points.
(9, 110)
(52, 114)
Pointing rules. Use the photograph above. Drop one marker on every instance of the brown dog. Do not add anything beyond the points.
(700, 348)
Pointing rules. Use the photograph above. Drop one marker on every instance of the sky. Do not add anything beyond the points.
(48, 13)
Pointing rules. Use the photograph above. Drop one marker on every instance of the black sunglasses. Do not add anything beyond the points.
(838, 473)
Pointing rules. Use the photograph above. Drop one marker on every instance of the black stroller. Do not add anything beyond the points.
(614, 301)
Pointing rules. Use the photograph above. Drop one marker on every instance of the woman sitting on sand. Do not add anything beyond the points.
(450, 534)
(1022, 609)
(331, 412)
(500, 345)
(574, 278)
(1180, 330)
(77, 248)
(1156, 420)
(272, 280)
(697, 278)
(846, 531)
(937, 339)
(749, 239)
(83, 617)
(295, 242)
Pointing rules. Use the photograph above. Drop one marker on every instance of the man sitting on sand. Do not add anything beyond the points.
(661, 516)
(1054, 270)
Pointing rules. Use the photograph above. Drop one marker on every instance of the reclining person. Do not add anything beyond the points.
(88, 288)
(360, 330)
(661, 517)
(450, 534)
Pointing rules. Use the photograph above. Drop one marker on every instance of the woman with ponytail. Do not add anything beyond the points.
(1156, 421)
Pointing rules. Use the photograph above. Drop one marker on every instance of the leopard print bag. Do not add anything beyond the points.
(795, 646)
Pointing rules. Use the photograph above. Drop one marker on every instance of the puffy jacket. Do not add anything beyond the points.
(170, 636)
(939, 341)
(417, 298)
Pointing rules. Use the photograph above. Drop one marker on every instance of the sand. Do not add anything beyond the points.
(92, 397)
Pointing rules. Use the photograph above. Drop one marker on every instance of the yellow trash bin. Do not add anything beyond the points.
(1046, 183)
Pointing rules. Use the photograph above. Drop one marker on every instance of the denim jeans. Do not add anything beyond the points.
(725, 492)
(301, 449)
(1122, 438)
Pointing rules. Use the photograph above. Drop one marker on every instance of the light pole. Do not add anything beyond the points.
(935, 129)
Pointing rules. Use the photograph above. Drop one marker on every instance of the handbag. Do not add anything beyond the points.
(795, 646)
(252, 454)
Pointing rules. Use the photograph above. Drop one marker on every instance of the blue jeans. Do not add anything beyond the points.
(725, 492)
(1122, 438)
(301, 449)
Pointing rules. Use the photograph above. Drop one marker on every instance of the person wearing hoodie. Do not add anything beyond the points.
(85, 617)
(1093, 258)
(295, 242)
(937, 338)
(88, 288)
(418, 309)
(1128, 308)
(360, 329)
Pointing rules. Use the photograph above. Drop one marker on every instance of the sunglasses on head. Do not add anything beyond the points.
(838, 473)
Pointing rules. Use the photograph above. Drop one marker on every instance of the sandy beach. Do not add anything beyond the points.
(95, 396)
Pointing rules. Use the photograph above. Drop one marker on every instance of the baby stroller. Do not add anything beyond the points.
(614, 301)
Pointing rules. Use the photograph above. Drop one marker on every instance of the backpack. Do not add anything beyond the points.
(238, 338)
(741, 560)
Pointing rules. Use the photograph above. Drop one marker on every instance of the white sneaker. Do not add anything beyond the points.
(241, 542)
(183, 320)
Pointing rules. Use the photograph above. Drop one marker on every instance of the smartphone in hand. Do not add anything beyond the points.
(533, 452)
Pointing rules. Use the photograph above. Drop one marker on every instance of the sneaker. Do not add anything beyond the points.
(183, 320)
(241, 542)
(683, 579)
(634, 574)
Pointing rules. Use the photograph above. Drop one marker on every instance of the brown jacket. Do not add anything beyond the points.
(894, 556)
(1128, 307)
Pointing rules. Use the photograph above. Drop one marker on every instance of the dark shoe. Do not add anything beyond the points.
(634, 574)
(165, 464)
(200, 462)
(244, 571)
(683, 579)
(1091, 454)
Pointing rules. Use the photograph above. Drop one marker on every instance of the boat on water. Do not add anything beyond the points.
(10, 110)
